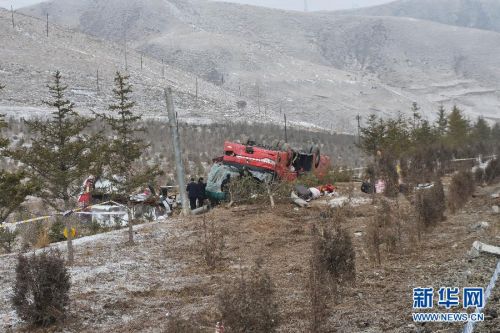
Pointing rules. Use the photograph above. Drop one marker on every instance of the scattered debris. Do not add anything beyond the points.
(478, 247)
(353, 202)
(496, 209)
(298, 201)
(425, 186)
(480, 225)
(200, 210)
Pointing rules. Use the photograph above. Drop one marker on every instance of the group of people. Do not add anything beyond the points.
(196, 193)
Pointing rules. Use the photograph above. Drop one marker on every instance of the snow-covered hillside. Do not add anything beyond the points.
(321, 67)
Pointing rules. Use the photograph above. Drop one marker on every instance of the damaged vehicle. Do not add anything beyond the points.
(266, 164)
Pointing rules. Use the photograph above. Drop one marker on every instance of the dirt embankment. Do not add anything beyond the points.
(120, 288)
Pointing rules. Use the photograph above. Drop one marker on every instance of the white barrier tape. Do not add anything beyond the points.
(12, 225)
(103, 213)
(469, 327)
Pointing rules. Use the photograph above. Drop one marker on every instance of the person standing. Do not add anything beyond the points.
(202, 195)
(192, 190)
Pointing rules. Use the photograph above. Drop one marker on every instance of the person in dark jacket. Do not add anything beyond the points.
(201, 196)
(193, 193)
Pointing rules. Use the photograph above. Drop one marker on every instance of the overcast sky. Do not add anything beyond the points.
(284, 4)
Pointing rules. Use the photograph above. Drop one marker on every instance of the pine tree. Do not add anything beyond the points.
(423, 135)
(372, 136)
(441, 122)
(14, 187)
(481, 132)
(126, 149)
(60, 154)
(415, 111)
(457, 135)
(495, 133)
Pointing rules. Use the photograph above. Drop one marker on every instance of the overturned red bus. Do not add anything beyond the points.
(264, 163)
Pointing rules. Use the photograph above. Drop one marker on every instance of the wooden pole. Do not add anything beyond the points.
(196, 89)
(141, 61)
(47, 24)
(162, 68)
(172, 119)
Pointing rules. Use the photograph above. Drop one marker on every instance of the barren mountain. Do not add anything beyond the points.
(28, 59)
(479, 14)
(318, 67)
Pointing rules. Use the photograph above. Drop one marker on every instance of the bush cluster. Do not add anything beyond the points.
(41, 290)
(249, 304)
(461, 189)
(430, 205)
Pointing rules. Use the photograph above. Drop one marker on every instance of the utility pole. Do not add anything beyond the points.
(125, 47)
(141, 61)
(97, 76)
(172, 120)
(162, 68)
(69, 236)
(258, 97)
(47, 24)
(196, 89)
(12, 14)
(358, 118)
(286, 136)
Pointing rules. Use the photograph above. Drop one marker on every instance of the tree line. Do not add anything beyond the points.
(63, 151)
(422, 148)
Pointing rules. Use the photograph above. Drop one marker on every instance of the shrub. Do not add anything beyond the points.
(388, 172)
(338, 175)
(384, 229)
(337, 255)
(430, 205)
(249, 304)
(247, 190)
(373, 240)
(317, 288)
(30, 233)
(332, 264)
(213, 244)
(43, 239)
(56, 231)
(41, 289)
(479, 176)
(492, 171)
(461, 189)
(7, 239)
